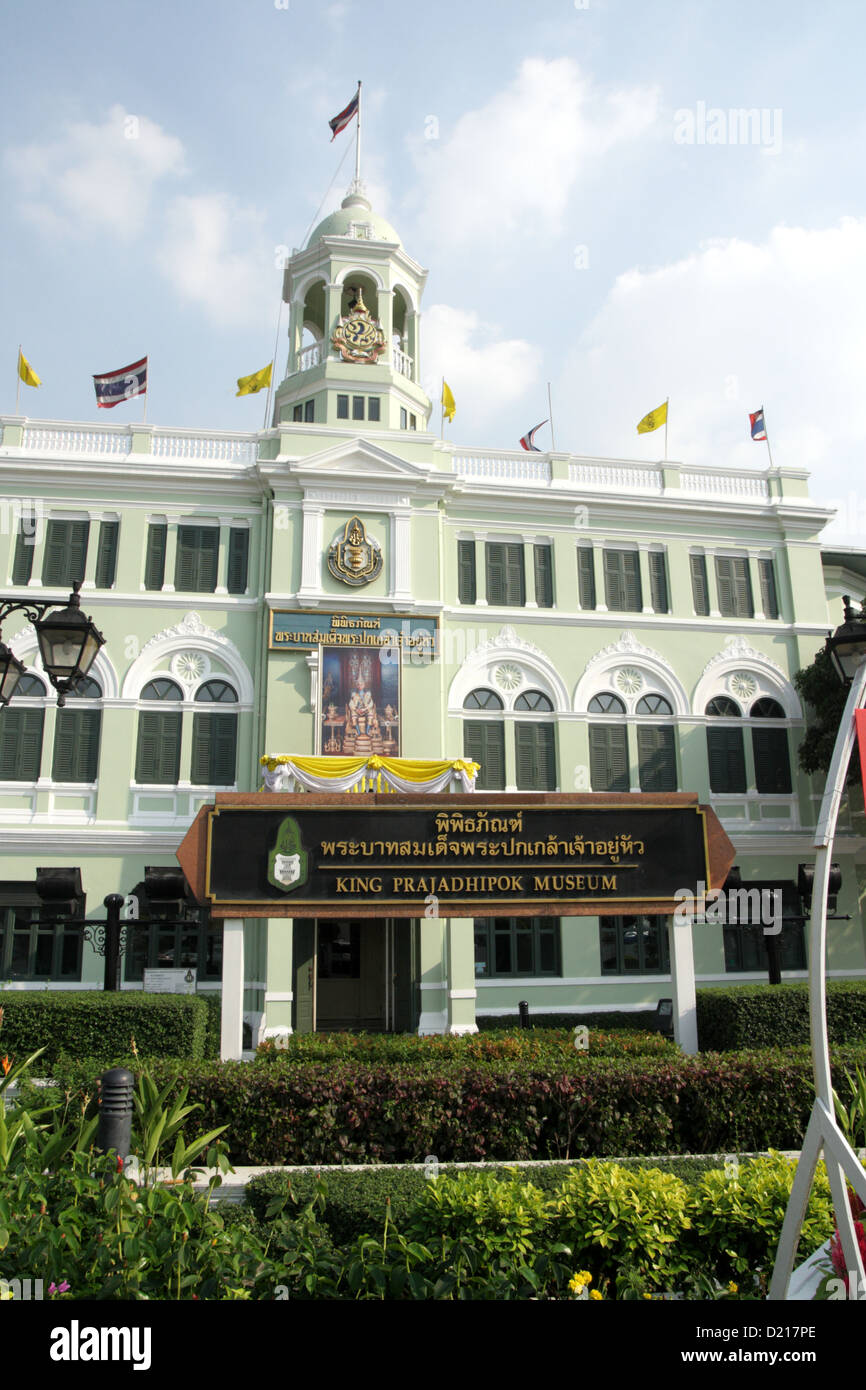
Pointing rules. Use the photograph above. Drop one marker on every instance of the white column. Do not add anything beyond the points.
(311, 556)
(401, 576)
(312, 660)
(683, 980)
(223, 556)
(232, 1016)
(645, 585)
(172, 523)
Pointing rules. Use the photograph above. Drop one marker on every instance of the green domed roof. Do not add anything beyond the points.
(354, 208)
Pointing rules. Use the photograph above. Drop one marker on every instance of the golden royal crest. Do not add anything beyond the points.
(359, 337)
(355, 560)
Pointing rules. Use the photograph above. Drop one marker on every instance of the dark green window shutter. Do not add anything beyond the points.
(769, 597)
(735, 587)
(495, 555)
(76, 745)
(239, 550)
(608, 758)
(214, 747)
(158, 752)
(725, 584)
(505, 582)
(197, 559)
(484, 743)
(727, 760)
(586, 576)
(700, 589)
(622, 586)
(21, 744)
(743, 589)
(22, 564)
(658, 582)
(106, 554)
(543, 559)
(466, 592)
(657, 758)
(772, 761)
(154, 566)
(65, 552)
(535, 746)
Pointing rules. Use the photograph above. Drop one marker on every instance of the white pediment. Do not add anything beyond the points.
(359, 458)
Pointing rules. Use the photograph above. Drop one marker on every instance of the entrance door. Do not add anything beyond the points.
(351, 990)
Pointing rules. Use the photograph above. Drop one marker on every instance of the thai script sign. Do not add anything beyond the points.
(298, 631)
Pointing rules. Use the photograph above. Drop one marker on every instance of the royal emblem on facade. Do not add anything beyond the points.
(356, 559)
(359, 337)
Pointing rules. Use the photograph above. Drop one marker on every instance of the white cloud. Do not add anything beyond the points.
(486, 373)
(96, 174)
(216, 254)
(508, 168)
(735, 326)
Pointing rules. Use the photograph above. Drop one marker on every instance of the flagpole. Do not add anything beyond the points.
(358, 139)
(274, 364)
(18, 379)
(442, 408)
(550, 412)
(766, 433)
(667, 412)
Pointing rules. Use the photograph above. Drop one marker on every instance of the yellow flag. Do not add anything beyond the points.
(26, 372)
(449, 409)
(249, 385)
(654, 420)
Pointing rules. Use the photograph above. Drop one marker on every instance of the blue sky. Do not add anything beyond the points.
(575, 177)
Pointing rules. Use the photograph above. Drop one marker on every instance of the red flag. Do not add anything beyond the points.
(860, 726)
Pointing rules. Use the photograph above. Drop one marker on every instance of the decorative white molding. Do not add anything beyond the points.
(738, 649)
(187, 638)
(739, 663)
(191, 625)
(631, 669)
(628, 645)
(352, 498)
(534, 666)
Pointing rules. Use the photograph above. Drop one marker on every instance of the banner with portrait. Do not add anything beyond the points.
(359, 703)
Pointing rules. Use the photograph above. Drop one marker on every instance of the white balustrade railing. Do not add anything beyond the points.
(402, 362)
(616, 476)
(310, 357)
(502, 469)
(740, 485)
(45, 440)
(219, 448)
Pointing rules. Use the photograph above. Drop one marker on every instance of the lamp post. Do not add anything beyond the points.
(68, 642)
(847, 649)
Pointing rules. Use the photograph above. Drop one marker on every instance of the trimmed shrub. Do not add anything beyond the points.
(357, 1203)
(639, 1021)
(100, 1025)
(549, 1044)
(213, 1003)
(739, 1016)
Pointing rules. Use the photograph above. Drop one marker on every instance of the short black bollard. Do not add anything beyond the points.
(523, 1010)
(115, 1112)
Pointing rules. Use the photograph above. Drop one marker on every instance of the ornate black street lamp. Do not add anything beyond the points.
(68, 643)
(846, 647)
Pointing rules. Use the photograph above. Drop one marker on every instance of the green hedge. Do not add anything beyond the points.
(213, 1003)
(535, 1044)
(282, 1112)
(641, 1020)
(738, 1016)
(100, 1026)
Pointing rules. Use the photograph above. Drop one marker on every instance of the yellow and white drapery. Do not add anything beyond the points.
(286, 774)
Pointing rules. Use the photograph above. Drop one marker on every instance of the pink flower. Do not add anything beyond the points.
(58, 1288)
(836, 1255)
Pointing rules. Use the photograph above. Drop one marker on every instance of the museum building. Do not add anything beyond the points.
(347, 585)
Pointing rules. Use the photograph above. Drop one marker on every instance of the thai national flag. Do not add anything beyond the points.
(528, 440)
(756, 421)
(340, 122)
(114, 387)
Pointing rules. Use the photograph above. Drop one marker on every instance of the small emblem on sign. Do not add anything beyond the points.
(288, 862)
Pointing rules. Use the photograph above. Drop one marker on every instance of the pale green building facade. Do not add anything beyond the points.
(603, 625)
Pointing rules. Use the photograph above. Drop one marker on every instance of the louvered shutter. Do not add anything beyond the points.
(106, 555)
(658, 582)
(21, 744)
(586, 577)
(65, 552)
(535, 746)
(154, 568)
(631, 580)
(515, 585)
(743, 589)
(656, 758)
(186, 561)
(543, 561)
(495, 573)
(485, 744)
(725, 583)
(727, 760)
(614, 592)
(239, 548)
(466, 591)
(608, 758)
(214, 745)
(158, 752)
(22, 565)
(76, 745)
(769, 597)
(772, 761)
(700, 589)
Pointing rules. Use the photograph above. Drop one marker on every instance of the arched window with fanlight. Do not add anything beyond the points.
(608, 745)
(725, 751)
(157, 758)
(214, 735)
(484, 739)
(535, 743)
(21, 727)
(76, 735)
(770, 748)
(656, 746)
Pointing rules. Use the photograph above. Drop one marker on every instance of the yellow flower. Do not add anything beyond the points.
(594, 1293)
(6, 1065)
(648, 1295)
(733, 1288)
